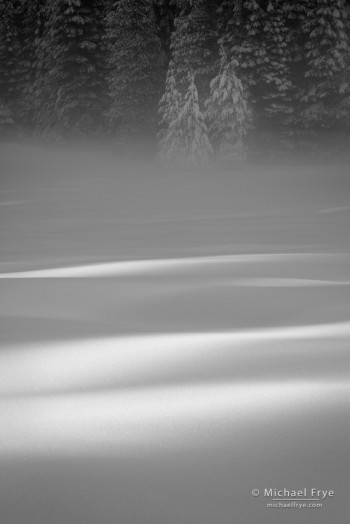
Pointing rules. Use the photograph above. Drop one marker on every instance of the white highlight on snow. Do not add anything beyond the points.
(121, 268)
(63, 366)
(159, 417)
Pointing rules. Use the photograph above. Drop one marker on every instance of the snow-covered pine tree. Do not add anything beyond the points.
(227, 113)
(70, 91)
(276, 83)
(256, 36)
(326, 93)
(242, 37)
(29, 24)
(10, 72)
(186, 143)
(295, 13)
(194, 45)
(170, 103)
(136, 68)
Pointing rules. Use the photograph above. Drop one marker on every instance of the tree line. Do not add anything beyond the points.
(204, 79)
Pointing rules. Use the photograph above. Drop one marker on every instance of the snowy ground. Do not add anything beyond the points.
(170, 342)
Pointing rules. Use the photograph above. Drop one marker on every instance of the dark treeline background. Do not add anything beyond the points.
(203, 79)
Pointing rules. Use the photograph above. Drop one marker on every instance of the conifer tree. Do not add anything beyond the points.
(326, 92)
(70, 91)
(136, 67)
(10, 73)
(277, 89)
(290, 60)
(256, 36)
(194, 46)
(227, 113)
(29, 23)
(170, 103)
(186, 142)
(242, 37)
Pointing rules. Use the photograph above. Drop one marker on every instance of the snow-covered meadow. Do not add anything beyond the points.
(171, 341)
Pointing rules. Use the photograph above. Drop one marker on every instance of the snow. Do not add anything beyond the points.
(170, 339)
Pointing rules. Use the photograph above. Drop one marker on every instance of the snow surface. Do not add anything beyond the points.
(171, 341)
